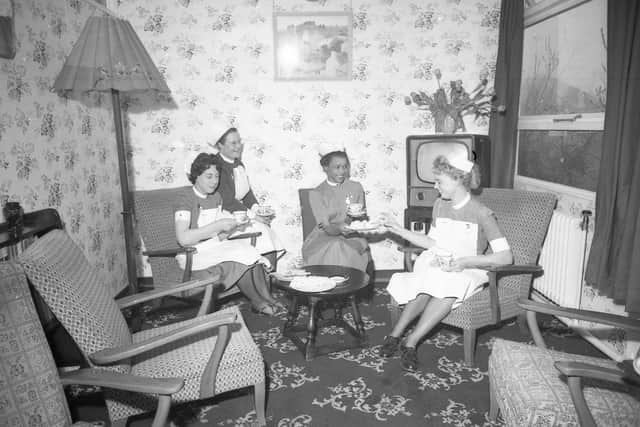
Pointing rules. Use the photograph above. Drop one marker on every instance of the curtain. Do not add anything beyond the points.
(503, 126)
(614, 262)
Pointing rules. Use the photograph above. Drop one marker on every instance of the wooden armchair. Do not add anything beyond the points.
(532, 385)
(524, 218)
(155, 223)
(184, 361)
(33, 369)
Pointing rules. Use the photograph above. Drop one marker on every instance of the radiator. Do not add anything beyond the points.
(562, 257)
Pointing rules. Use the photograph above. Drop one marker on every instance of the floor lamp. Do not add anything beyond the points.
(109, 57)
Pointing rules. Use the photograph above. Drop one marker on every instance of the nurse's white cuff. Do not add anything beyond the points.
(182, 216)
(499, 245)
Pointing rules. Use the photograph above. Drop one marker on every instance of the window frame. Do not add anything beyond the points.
(554, 122)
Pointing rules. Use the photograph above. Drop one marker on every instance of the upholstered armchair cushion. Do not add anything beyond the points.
(533, 393)
(30, 390)
(241, 365)
(71, 288)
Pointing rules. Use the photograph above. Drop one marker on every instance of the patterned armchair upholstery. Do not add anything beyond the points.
(181, 362)
(524, 218)
(31, 390)
(155, 223)
(534, 386)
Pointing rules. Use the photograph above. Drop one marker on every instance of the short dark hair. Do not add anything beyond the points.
(224, 135)
(326, 159)
(202, 162)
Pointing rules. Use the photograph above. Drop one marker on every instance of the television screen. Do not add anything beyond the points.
(429, 150)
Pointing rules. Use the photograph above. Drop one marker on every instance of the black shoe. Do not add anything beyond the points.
(408, 358)
(389, 346)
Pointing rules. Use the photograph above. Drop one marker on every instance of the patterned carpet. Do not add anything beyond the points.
(352, 387)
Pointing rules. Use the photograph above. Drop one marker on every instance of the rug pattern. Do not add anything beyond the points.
(356, 386)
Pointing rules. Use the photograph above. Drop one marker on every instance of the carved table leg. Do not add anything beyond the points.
(312, 329)
(356, 316)
(292, 314)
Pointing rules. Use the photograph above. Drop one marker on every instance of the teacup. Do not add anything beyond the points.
(355, 208)
(264, 210)
(240, 216)
(444, 257)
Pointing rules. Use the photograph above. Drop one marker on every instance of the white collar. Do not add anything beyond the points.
(463, 202)
(198, 193)
(333, 184)
(226, 159)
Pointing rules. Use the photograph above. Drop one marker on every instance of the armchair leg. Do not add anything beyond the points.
(206, 301)
(469, 338)
(394, 311)
(522, 324)
(260, 397)
(493, 402)
(162, 412)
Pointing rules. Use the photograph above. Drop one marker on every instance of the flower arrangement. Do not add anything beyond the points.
(447, 107)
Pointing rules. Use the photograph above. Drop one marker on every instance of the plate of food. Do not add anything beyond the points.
(363, 225)
(312, 284)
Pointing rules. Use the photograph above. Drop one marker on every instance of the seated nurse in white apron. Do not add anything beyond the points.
(237, 194)
(201, 222)
(462, 229)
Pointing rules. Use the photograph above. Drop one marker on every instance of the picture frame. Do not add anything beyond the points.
(313, 46)
(7, 30)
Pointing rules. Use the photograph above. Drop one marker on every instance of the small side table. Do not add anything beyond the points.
(339, 296)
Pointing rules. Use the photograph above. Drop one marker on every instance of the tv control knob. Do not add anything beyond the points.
(420, 196)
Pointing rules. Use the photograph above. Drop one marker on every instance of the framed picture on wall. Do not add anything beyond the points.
(313, 46)
(7, 30)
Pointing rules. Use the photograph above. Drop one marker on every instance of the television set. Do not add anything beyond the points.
(422, 151)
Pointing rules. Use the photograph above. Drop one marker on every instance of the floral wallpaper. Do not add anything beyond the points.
(57, 152)
(218, 60)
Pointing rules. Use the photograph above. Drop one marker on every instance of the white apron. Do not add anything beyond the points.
(213, 251)
(268, 241)
(459, 238)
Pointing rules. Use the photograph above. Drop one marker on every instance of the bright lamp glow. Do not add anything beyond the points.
(288, 57)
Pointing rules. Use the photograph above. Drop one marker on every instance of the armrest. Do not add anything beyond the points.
(245, 236)
(169, 252)
(495, 272)
(516, 269)
(590, 316)
(120, 381)
(586, 370)
(111, 355)
(411, 249)
(575, 371)
(138, 298)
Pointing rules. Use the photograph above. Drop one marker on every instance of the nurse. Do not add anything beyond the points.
(450, 270)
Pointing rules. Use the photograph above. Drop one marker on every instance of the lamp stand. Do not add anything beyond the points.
(127, 209)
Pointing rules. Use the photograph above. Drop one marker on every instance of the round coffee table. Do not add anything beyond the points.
(339, 296)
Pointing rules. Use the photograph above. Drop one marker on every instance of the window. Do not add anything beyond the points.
(563, 94)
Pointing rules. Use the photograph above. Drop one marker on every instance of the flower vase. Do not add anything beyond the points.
(438, 121)
(449, 125)
(444, 123)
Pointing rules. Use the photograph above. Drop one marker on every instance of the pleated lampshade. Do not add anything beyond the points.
(109, 55)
